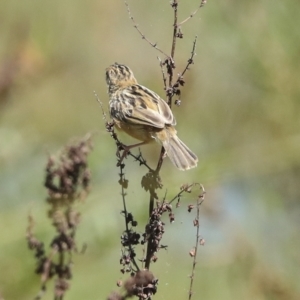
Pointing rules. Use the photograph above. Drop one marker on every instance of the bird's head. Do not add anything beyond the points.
(119, 76)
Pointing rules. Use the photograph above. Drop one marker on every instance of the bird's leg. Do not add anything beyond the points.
(126, 150)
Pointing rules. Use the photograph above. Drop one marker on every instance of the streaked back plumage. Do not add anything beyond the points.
(144, 115)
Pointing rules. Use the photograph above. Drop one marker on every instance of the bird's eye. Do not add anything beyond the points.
(111, 73)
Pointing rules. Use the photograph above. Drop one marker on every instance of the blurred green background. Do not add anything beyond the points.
(240, 114)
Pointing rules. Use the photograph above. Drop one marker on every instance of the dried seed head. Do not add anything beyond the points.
(192, 252)
(202, 242)
(177, 102)
(119, 283)
(190, 207)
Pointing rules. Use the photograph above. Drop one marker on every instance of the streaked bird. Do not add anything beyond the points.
(142, 114)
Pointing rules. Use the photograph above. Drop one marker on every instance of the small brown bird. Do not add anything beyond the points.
(145, 116)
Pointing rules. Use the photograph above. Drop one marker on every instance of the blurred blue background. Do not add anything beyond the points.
(240, 114)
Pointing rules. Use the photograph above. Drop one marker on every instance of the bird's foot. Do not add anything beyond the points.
(121, 155)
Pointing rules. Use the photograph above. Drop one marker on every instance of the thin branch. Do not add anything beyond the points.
(150, 247)
(185, 189)
(135, 25)
(203, 2)
(141, 160)
(190, 61)
(170, 63)
(161, 159)
(123, 194)
(100, 103)
(161, 64)
(195, 250)
(143, 257)
(174, 4)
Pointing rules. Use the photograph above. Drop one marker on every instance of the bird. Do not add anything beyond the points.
(145, 116)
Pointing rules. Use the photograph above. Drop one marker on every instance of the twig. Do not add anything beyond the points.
(123, 194)
(161, 159)
(174, 5)
(175, 88)
(163, 72)
(135, 25)
(100, 103)
(184, 189)
(190, 61)
(143, 257)
(141, 160)
(150, 245)
(193, 253)
(203, 2)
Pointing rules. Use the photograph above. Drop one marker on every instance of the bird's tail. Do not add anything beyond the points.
(180, 155)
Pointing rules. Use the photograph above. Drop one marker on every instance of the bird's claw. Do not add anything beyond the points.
(125, 149)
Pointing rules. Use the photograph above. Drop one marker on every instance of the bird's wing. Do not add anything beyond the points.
(144, 107)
